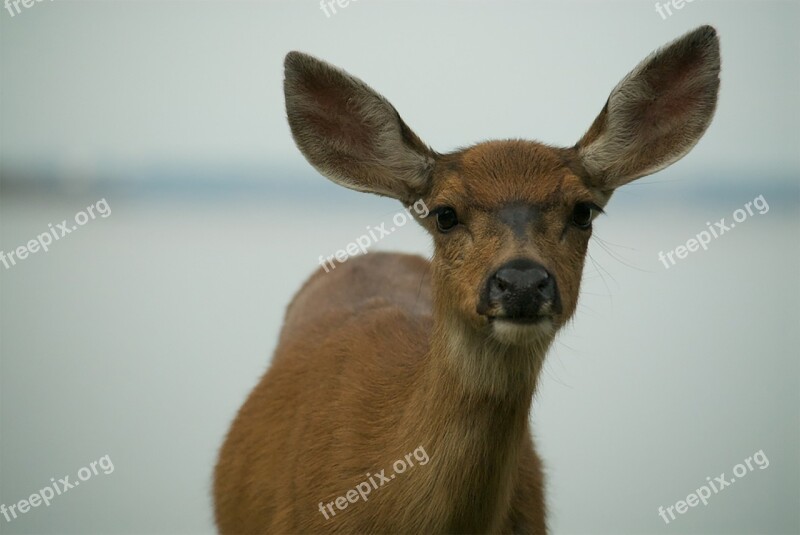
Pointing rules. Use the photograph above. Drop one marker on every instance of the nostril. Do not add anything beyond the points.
(503, 281)
(501, 284)
(546, 287)
(544, 283)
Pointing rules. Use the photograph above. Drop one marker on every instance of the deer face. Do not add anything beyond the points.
(510, 220)
(511, 223)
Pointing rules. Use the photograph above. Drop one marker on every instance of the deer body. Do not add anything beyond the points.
(390, 352)
(401, 396)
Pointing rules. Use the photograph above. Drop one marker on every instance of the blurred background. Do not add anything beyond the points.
(138, 335)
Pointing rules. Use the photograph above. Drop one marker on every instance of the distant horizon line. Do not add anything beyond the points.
(296, 180)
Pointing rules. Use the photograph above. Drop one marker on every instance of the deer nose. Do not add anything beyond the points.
(521, 289)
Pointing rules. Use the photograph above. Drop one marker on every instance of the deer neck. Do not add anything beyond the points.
(469, 409)
(483, 365)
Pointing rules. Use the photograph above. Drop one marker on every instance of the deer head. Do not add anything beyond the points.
(510, 219)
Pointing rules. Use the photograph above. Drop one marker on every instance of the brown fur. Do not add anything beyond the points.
(390, 352)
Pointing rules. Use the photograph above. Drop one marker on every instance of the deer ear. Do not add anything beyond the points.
(351, 134)
(656, 114)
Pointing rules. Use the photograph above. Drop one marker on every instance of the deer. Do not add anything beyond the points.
(391, 352)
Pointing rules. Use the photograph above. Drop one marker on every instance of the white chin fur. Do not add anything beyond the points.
(511, 333)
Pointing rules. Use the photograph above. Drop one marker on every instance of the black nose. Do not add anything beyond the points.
(520, 290)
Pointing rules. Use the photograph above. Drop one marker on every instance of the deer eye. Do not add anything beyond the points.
(446, 219)
(582, 215)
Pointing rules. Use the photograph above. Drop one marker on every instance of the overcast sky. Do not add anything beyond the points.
(200, 82)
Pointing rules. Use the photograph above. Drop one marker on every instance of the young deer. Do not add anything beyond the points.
(390, 352)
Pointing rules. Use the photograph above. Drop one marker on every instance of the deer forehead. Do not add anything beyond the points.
(494, 175)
